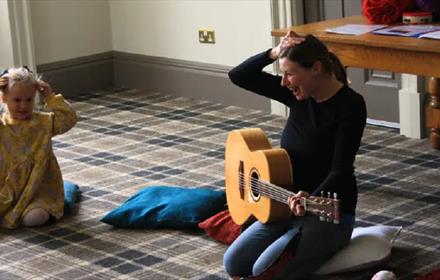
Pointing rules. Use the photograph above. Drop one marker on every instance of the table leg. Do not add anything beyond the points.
(433, 112)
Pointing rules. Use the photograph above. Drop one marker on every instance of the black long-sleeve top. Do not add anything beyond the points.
(322, 139)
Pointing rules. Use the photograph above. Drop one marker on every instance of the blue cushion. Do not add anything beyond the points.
(167, 207)
(70, 195)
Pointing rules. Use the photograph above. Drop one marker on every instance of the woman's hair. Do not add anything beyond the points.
(14, 76)
(312, 50)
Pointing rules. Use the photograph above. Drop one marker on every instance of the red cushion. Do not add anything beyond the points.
(221, 227)
(385, 11)
(275, 268)
(434, 275)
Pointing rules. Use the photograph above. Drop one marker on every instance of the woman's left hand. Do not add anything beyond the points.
(295, 203)
(290, 39)
(44, 88)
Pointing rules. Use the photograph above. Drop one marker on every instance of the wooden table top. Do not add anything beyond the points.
(371, 51)
(367, 39)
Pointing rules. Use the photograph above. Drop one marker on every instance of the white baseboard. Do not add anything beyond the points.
(383, 123)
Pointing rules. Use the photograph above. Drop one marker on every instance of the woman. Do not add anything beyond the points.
(322, 136)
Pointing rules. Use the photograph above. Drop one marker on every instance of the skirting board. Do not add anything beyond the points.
(169, 76)
(79, 75)
(202, 81)
(383, 123)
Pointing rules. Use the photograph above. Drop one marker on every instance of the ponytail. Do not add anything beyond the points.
(338, 69)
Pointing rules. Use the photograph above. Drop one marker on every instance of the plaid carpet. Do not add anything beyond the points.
(126, 140)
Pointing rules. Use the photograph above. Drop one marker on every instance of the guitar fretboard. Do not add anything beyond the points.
(272, 191)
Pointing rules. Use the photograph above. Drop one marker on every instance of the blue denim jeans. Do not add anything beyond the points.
(259, 246)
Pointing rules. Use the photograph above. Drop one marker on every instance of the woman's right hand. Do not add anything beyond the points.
(290, 39)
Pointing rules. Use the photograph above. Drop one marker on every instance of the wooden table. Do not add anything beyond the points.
(389, 53)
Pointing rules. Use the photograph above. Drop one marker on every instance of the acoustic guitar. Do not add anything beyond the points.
(259, 180)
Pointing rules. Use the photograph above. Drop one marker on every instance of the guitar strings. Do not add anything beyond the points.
(271, 190)
(263, 188)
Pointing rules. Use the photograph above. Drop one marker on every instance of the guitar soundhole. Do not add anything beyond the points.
(255, 185)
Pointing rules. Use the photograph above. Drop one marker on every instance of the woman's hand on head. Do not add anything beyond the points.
(44, 88)
(290, 39)
(295, 204)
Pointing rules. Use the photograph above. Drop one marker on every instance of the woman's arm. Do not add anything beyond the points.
(348, 136)
(249, 75)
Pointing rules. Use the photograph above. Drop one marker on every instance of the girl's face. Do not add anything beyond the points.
(20, 100)
(296, 78)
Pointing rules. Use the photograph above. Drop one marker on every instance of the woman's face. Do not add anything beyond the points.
(20, 100)
(297, 79)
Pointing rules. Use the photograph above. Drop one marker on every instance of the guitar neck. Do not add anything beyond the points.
(275, 192)
(326, 207)
(282, 195)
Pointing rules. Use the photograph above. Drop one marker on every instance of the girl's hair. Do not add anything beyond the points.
(14, 76)
(312, 50)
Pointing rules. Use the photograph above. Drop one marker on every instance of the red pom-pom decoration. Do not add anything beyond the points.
(385, 11)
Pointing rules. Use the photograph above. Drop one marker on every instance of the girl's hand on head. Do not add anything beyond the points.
(290, 39)
(44, 88)
(295, 205)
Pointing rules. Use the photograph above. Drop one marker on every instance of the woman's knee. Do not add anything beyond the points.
(234, 265)
(35, 217)
(228, 262)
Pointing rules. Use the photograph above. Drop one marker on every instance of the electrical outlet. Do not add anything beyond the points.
(207, 36)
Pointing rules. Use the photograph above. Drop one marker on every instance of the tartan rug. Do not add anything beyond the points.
(128, 139)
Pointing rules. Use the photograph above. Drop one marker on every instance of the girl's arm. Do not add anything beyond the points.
(64, 116)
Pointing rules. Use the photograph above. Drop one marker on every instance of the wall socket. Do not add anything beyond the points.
(206, 36)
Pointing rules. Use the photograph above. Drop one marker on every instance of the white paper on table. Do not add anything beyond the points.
(355, 29)
(431, 35)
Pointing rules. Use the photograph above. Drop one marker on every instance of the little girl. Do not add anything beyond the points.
(31, 186)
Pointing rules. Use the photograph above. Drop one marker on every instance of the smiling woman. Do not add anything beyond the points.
(311, 56)
(322, 136)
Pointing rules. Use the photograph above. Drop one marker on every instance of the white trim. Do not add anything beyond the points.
(22, 36)
(21, 31)
(6, 54)
(284, 13)
(383, 123)
(411, 98)
(278, 108)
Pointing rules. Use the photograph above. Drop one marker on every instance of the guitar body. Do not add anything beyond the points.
(249, 157)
